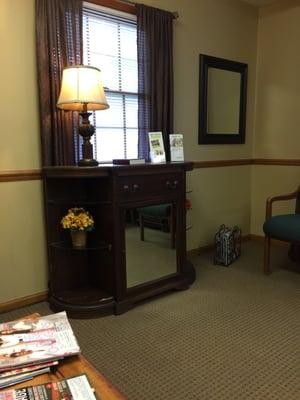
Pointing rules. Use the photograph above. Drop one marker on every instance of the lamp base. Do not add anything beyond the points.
(86, 130)
(87, 162)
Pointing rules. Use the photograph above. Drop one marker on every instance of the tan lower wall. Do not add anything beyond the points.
(219, 196)
(22, 250)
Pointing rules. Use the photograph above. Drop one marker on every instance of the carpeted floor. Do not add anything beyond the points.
(234, 335)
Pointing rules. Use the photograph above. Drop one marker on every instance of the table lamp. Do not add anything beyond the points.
(82, 90)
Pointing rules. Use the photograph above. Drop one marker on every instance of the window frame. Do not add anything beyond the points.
(113, 7)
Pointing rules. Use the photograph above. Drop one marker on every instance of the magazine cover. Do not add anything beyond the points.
(31, 341)
(157, 150)
(27, 369)
(76, 388)
(176, 147)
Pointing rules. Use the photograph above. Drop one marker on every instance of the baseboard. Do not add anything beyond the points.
(257, 238)
(210, 247)
(274, 242)
(23, 301)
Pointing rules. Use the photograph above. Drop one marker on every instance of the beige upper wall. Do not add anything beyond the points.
(226, 29)
(278, 83)
(19, 135)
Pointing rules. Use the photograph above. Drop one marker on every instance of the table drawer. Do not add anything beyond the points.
(138, 187)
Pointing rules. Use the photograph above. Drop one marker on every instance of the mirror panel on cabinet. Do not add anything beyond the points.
(150, 243)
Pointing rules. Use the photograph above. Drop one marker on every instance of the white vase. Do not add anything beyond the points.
(79, 238)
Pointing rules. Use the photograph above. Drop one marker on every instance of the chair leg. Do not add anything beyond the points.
(267, 255)
(142, 227)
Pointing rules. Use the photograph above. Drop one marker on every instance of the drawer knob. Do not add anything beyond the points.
(135, 187)
(172, 184)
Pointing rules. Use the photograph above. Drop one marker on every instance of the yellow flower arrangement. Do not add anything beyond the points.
(78, 219)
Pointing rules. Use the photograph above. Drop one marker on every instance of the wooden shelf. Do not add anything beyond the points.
(84, 302)
(74, 203)
(84, 296)
(67, 245)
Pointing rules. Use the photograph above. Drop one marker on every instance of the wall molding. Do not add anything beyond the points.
(36, 174)
(275, 242)
(277, 161)
(247, 161)
(221, 163)
(257, 238)
(20, 175)
(210, 247)
(23, 301)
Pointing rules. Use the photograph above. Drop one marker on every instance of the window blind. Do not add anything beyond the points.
(109, 43)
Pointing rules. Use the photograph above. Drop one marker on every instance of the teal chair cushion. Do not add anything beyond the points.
(160, 210)
(283, 227)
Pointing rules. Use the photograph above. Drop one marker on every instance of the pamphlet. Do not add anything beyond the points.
(75, 388)
(157, 150)
(176, 147)
(128, 161)
(36, 340)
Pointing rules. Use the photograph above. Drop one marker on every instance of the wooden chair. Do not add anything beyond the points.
(159, 216)
(281, 227)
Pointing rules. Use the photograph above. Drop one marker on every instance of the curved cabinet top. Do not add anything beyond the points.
(105, 170)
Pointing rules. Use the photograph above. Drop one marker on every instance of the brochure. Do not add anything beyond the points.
(37, 340)
(128, 161)
(157, 150)
(75, 388)
(176, 147)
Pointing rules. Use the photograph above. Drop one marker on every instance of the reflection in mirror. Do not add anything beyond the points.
(150, 243)
(223, 101)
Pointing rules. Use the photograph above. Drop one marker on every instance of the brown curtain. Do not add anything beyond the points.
(155, 74)
(58, 44)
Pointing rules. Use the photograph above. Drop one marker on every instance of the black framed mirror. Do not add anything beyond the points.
(222, 100)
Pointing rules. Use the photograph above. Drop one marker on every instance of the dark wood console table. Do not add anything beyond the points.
(116, 269)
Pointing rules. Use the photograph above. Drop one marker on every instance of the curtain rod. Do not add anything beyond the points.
(175, 13)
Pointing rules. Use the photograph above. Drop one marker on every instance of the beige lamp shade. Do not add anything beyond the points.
(82, 85)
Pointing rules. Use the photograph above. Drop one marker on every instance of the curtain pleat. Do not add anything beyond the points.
(58, 44)
(155, 75)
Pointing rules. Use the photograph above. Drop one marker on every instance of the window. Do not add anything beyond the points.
(109, 43)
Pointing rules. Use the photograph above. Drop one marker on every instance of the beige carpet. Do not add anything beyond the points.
(234, 335)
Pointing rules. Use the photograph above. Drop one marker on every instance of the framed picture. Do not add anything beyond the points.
(222, 101)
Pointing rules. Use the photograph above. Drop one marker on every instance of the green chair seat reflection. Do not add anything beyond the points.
(159, 216)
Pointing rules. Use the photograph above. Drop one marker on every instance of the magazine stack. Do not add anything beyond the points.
(33, 346)
(75, 388)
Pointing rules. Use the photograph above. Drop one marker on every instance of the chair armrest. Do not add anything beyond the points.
(283, 197)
